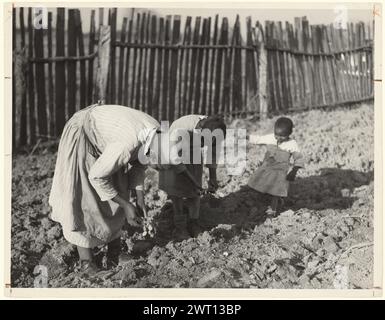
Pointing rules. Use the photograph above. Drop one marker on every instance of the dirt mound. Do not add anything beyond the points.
(323, 237)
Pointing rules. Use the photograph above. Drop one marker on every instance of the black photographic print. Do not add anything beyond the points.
(190, 147)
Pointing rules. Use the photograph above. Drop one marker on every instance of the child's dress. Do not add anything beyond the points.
(270, 177)
(171, 180)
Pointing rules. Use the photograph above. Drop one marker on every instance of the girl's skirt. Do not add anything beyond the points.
(270, 180)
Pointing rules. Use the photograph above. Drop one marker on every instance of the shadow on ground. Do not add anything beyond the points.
(244, 209)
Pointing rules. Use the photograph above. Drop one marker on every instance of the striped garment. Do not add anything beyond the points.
(98, 159)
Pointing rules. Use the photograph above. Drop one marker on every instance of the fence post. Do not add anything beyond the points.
(103, 64)
(262, 65)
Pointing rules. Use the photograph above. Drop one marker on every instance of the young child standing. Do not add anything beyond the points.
(276, 171)
(183, 182)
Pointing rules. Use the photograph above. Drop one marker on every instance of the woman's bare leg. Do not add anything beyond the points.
(85, 254)
(274, 203)
(193, 205)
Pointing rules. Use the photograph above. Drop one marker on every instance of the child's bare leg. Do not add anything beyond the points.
(180, 220)
(272, 209)
(274, 203)
(193, 205)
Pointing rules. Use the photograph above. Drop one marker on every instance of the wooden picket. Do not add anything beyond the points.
(169, 69)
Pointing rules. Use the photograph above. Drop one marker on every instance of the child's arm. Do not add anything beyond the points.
(266, 139)
(298, 164)
(292, 174)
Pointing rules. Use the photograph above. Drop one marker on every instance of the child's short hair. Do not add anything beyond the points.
(214, 122)
(283, 126)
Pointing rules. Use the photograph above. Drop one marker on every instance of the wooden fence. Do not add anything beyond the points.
(167, 69)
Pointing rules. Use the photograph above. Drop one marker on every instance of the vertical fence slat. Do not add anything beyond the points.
(293, 71)
(186, 66)
(270, 71)
(181, 86)
(237, 88)
(152, 66)
(309, 65)
(23, 111)
(112, 82)
(71, 65)
(121, 61)
(60, 77)
(174, 69)
(166, 71)
(83, 80)
(139, 103)
(91, 44)
(282, 69)
(288, 70)
(328, 67)
(15, 103)
(145, 64)
(218, 71)
(260, 40)
(363, 60)
(206, 67)
(40, 83)
(227, 63)
(273, 68)
(193, 66)
(344, 69)
(277, 78)
(212, 70)
(199, 72)
(31, 79)
(133, 82)
(127, 85)
(51, 103)
(350, 43)
(101, 16)
(297, 36)
(103, 64)
(251, 72)
(356, 42)
(157, 101)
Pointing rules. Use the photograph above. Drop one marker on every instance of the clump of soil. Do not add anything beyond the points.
(323, 238)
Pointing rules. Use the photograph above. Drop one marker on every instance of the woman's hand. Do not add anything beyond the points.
(131, 215)
(129, 211)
